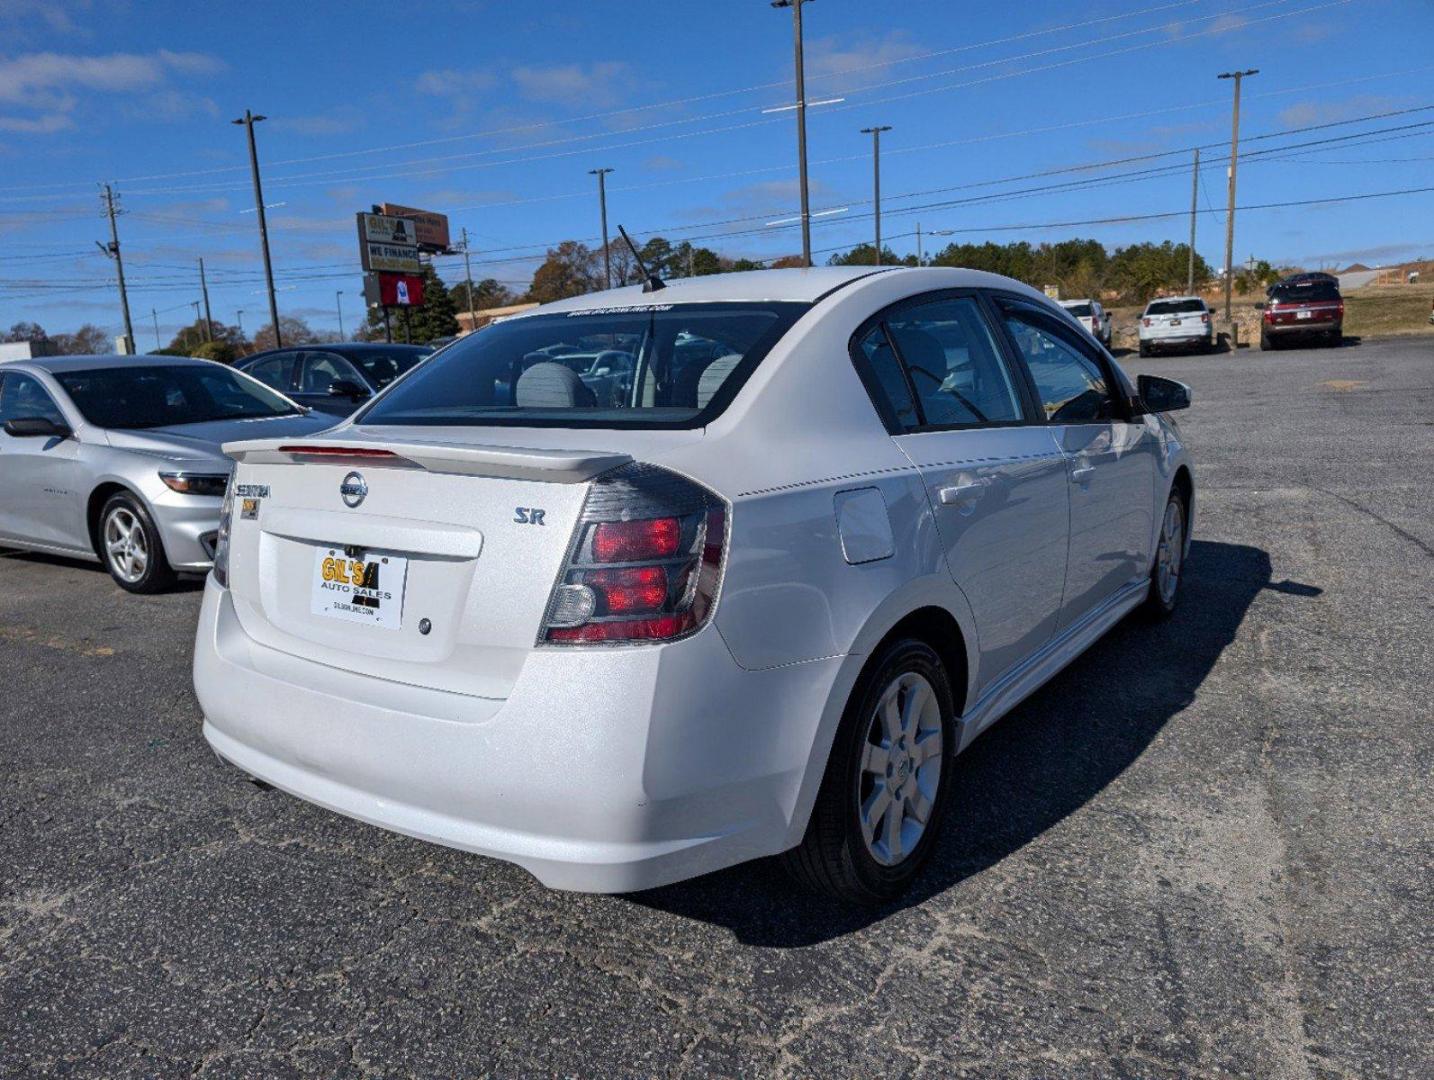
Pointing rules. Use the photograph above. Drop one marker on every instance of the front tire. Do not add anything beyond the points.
(887, 781)
(130, 546)
(1169, 564)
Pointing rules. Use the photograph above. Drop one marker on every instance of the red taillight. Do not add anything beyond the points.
(629, 541)
(1205, 318)
(1148, 322)
(634, 588)
(645, 562)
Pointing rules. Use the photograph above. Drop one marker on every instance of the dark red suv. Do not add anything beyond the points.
(1302, 308)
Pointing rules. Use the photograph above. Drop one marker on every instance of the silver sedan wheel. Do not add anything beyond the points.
(901, 762)
(1171, 551)
(125, 544)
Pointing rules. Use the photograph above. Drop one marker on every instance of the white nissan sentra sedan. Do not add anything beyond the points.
(826, 527)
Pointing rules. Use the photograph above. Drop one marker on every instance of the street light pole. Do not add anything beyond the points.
(1238, 76)
(249, 120)
(875, 133)
(601, 174)
(339, 304)
(796, 6)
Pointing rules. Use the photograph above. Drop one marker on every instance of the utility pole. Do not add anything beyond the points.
(249, 120)
(204, 288)
(796, 6)
(339, 304)
(601, 174)
(919, 260)
(1238, 76)
(113, 251)
(155, 316)
(468, 273)
(875, 133)
(239, 322)
(195, 305)
(1194, 210)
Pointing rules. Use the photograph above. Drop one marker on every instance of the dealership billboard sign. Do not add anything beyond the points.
(431, 228)
(389, 244)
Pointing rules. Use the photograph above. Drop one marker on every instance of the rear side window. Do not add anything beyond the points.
(952, 362)
(1080, 311)
(1174, 307)
(894, 396)
(664, 366)
(275, 372)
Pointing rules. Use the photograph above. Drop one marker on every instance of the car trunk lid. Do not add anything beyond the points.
(418, 560)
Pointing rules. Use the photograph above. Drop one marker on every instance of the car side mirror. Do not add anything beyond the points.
(1163, 395)
(347, 388)
(32, 427)
(1259, 305)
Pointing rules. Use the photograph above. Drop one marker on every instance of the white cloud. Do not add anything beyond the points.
(842, 64)
(450, 82)
(599, 85)
(49, 83)
(1305, 113)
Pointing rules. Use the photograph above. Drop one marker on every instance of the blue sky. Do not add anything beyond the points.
(494, 112)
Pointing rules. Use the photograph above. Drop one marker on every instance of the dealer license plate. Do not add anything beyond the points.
(368, 589)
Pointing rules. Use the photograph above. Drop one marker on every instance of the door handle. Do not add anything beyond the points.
(955, 493)
(1081, 474)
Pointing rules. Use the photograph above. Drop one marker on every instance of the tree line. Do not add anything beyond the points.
(1079, 267)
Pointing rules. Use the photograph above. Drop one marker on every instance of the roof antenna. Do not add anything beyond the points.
(651, 281)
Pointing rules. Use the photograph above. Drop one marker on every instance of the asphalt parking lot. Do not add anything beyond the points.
(1204, 851)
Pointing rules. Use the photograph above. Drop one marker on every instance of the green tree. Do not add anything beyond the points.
(865, 255)
(221, 351)
(1142, 270)
(745, 264)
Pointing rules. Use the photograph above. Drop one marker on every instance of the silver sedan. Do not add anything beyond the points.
(117, 459)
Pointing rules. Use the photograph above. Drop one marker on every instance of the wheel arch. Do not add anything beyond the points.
(101, 494)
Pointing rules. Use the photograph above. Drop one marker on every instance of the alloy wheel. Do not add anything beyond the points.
(125, 545)
(1172, 549)
(901, 762)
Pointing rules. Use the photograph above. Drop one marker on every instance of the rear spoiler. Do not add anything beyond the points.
(512, 462)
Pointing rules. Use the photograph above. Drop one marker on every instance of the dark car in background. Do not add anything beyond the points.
(1303, 307)
(333, 379)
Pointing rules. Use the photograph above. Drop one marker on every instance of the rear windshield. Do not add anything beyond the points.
(151, 395)
(665, 365)
(1299, 294)
(383, 367)
(1080, 311)
(1174, 307)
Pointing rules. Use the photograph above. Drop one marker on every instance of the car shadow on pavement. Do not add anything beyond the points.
(183, 583)
(1041, 762)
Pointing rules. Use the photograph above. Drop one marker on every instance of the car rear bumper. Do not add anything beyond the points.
(1304, 326)
(1177, 339)
(604, 770)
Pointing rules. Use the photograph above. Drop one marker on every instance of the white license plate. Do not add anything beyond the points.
(1174, 322)
(365, 590)
(1304, 314)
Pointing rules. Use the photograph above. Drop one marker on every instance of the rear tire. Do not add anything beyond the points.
(1144, 349)
(887, 781)
(1266, 342)
(130, 547)
(1169, 563)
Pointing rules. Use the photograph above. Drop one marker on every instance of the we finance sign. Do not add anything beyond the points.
(388, 244)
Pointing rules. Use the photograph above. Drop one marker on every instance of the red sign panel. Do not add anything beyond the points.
(400, 290)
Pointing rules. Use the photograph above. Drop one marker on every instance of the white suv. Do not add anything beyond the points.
(1091, 315)
(1176, 322)
(837, 522)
